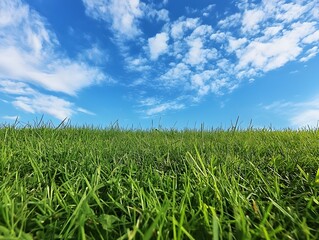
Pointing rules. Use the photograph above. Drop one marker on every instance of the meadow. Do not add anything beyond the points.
(89, 183)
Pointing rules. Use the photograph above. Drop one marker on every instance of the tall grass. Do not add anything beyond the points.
(88, 183)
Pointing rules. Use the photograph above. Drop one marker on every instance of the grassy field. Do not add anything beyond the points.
(83, 183)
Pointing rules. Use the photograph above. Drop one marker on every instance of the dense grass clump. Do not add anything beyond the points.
(86, 183)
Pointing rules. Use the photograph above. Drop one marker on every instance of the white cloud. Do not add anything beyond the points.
(41, 103)
(195, 54)
(182, 25)
(158, 15)
(315, 11)
(12, 12)
(12, 118)
(83, 110)
(217, 85)
(207, 10)
(163, 107)
(154, 105)
(178, 49)
(176, 74)
(58, 74)
(230, 21)
(235, 44)
(260, 38)
(201, 81)
(308, 117)
(224, 64)
(265, 56)
(30, 57)
(273, 7)
(123, 15)
(312, 38)
(299, 114)
(251, 20)
(278, 105)
(94, 55)
(273, 34)
(201, 31)
(201, 58)
(32, 101)
(291, 11)
(272, 31)
(310, 54)
(219, 36)
(150, 101)
(196, 41)
(137, 64)
(15, 88)
(158, 45)
(28, 52)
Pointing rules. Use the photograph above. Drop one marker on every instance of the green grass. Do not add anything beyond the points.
(85, 183)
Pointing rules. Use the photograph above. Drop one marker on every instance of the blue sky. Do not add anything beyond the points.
(173, 63)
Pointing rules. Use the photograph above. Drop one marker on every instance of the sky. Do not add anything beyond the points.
(160, 63)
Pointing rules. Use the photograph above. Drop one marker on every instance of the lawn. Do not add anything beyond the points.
(90, 183)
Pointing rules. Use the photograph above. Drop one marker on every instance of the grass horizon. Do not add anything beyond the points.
(66, 182)
(235, 125)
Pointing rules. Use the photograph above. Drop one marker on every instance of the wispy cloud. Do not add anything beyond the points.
(83, 110)
(41, 103)
(158, 15)
(307, 117)
(137, 64)
(230, 21)
(94, 55)
(11, 118)
(312, 52)
(251, 20)
(299, 114)
(30, 56)
(15, 88)
(32, 101)
(152, 106)
(182, 26)
(163, 108)
(208, 10)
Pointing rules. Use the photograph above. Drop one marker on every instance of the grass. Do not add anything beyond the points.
(86, 183)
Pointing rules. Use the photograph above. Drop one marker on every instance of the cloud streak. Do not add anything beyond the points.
(40, 103)
(11, 118)
(299, 114)
(32, 101)
(155, 106)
